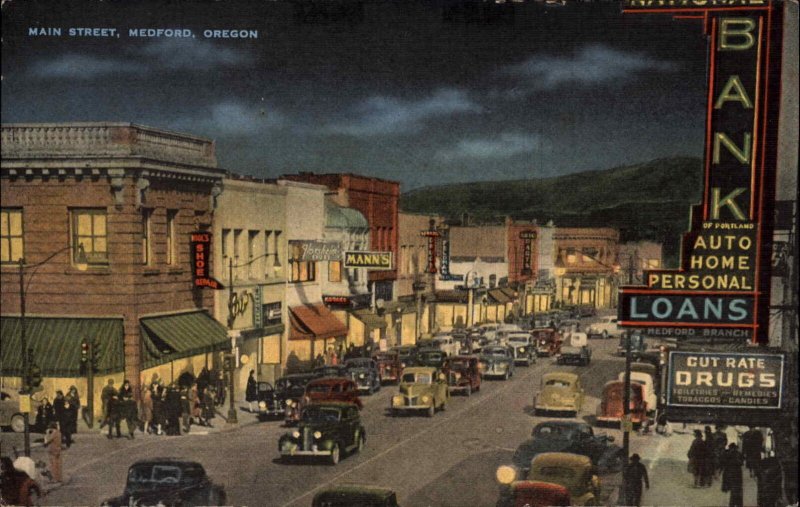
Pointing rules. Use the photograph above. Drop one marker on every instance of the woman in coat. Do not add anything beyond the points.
(60, 409)
(251, 393)
(698, 459)
(73, 408)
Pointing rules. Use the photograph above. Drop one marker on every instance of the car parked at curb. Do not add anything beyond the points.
(463, 374)
(573, 437)
(169, 482)
(10, 414)
(355, 495)
(575, 350)
(606, 327)
(422, 388)
(329, 430)
(271, 403)
(572, 471)
(364, 372)
(434, 358)
(611, 411)
(560, 392)
(497, 361)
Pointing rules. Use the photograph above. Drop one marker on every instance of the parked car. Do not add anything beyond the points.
(577, 350)
(606, 327)
(321, 390)
(434, 358)
(355, 495)
(271, 403)
(364, 372)
(10, 415)
(422, 388)
(560, 392)
(648, 391)
(328, 429)
(497, 361)
(573, 437)
(406, 354)
(463, 374)
(610, 410)
(169, 482)
(523, 346)
(548, 341)
(389, 366)
(573, 471)
(533, 494)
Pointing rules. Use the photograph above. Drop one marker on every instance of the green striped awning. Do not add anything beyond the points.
(499, 296)
(169, 337)
(56, 344)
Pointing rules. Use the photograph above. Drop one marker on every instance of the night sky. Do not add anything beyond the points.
(398, 91)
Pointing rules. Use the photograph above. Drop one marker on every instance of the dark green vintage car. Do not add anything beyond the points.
(326, 429)
(355, 495)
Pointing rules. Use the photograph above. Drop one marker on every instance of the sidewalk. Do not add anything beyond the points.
(670, 482)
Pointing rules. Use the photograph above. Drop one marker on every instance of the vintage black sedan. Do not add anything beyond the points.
(572, 437)
(330, 370)
(292, 387)
(328, 430)
(433, 358)
(271, 403)
(169, 482)
(364, 372)
(497, 361)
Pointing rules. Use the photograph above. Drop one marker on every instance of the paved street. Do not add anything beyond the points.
(449, 460)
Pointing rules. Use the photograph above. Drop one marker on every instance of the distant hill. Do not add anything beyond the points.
(648, 201)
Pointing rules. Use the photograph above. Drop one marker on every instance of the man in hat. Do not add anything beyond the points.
(731, 462)
(635, 473)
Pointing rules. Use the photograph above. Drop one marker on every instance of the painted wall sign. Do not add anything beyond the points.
(747, 381)
(444, 266)
(200, 243)
(317, 250)
(724, 258)
(369, 260)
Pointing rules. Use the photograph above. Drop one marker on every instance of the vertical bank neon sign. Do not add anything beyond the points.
(723, 281)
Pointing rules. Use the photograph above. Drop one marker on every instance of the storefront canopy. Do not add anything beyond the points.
(169, 337)
(56, 344)
(372, 320)
(314, 322)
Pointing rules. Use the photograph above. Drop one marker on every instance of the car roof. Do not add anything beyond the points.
(546, 459)
(419, 369)
(363, 492)
(330, 380)
(538, 486)
(560, 375)
(566, 424)
(167, 461)
(297, 375)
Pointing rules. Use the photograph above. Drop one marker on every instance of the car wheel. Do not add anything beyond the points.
(431, 411)
(469, 391)
(334, 457)
(17, 423)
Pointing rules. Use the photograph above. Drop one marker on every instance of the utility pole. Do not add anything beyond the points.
(626, 407)
(232, 418)
(26, 365)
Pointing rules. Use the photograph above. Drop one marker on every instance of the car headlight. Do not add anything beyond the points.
(289, 403)
(426, 399)
(317, 435)
(402, 365)
(360, 375)
(458, 375)
(295, 434)
(262, 404)
(397, 400)
(522, 349)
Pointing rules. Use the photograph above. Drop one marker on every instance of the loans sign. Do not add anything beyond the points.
(723, 282)
(369, 260)
(725, 380)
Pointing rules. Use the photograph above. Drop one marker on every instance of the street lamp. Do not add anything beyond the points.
(26, 354)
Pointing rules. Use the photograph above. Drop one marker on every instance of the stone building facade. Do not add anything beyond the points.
(587, 266)
(102, 216)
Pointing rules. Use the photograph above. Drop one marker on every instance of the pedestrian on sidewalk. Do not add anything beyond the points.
(769, 482)
(159, 410)
(59, 407)
(185, 409)
(147, 409)
(251, 392)
(635, 472)
(708, 471)
(106, 397)
(16, 486)
(73, 408)
(172, 410)
(45, 414)
(698, 456)
(52, 440)
(208, 406)
(127, 407)
(732, 461)
(720, 443)
(752, 444)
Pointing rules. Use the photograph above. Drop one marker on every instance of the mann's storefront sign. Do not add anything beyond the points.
(723, 282)
(368, 260)
(740, 381)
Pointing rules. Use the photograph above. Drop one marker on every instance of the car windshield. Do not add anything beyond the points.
(417, 378)
(318, 388)
(432, 356)
(552, 431)
(321, 414)
(558, 382)
(154, 474)
(496, 352)
(264, 386)
(459, 365)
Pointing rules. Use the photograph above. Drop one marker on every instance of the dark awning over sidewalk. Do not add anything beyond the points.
(498, 296)
(168, 337)
(56, 344)
(314, 322)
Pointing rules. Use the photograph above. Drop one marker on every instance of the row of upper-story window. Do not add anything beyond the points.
(382, 238)
(88, 231)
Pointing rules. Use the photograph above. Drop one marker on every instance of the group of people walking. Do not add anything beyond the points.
(705, 455)
(165, 409)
